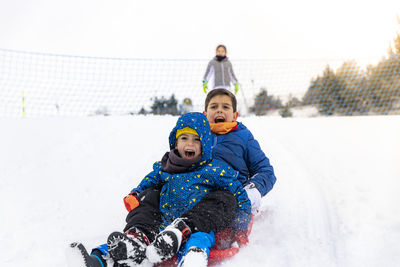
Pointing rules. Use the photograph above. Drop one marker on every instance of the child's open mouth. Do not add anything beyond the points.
(189, 154)
(219, 119)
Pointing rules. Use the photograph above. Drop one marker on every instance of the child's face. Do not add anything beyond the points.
(221, 52)
(220, 110)
(188, 145)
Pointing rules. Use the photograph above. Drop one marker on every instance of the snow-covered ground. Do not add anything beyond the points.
(336, 201)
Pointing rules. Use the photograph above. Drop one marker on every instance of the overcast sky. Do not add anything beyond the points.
(191, 29)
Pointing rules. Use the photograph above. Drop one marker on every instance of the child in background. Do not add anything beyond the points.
(221, 68)
(187, 195)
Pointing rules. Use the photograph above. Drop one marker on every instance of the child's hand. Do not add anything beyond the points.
(205, 86)
(131, 201)
(236, 88)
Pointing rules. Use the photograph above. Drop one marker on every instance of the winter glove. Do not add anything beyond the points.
(131, 201)
(205, 86)
(254, 197)
(241, 238)
(236, 88)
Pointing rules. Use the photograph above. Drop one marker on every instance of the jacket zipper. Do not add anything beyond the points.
(223, 74)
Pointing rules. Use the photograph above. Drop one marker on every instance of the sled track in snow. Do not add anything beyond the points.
(304, 213)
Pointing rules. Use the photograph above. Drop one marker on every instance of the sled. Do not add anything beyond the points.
(224, 248)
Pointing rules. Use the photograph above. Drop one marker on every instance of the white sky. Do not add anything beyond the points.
(191, 29)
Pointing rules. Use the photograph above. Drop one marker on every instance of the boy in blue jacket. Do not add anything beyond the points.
(234, 144)
(187, 195)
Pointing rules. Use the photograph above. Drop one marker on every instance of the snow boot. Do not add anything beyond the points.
(195, 257)
(128, 248)
(168, 241)
(77, 256)
(196, 250)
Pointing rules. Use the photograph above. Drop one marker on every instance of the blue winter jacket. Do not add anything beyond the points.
(241, 151)
(180, 192)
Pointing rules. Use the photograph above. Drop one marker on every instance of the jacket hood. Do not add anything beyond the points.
(198, 122)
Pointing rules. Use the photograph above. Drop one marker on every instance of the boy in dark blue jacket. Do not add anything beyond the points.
(188, 194)
(234, 144)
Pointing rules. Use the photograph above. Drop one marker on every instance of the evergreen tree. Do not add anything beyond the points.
(351, 91)
(172, 106)
(293, 101)
(142, 111)
(264, 103)
(384, 80)
(285, 111)
(157, 106)
(326, 93)
(383, 84)
(163, 106)
(396, 41)
(354, 81)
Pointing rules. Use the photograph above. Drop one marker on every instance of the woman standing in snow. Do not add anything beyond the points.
(221, 68)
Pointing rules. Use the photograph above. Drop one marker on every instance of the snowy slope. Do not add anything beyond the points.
(335, 202)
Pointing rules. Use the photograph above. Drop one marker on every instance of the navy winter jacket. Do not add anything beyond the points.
(240, 150)
(181, 191)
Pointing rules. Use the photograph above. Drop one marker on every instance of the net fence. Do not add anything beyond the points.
(42, 85)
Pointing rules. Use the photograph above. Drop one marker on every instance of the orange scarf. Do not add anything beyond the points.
(223, 127)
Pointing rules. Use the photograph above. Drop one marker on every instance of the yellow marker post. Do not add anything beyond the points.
(23, 104)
